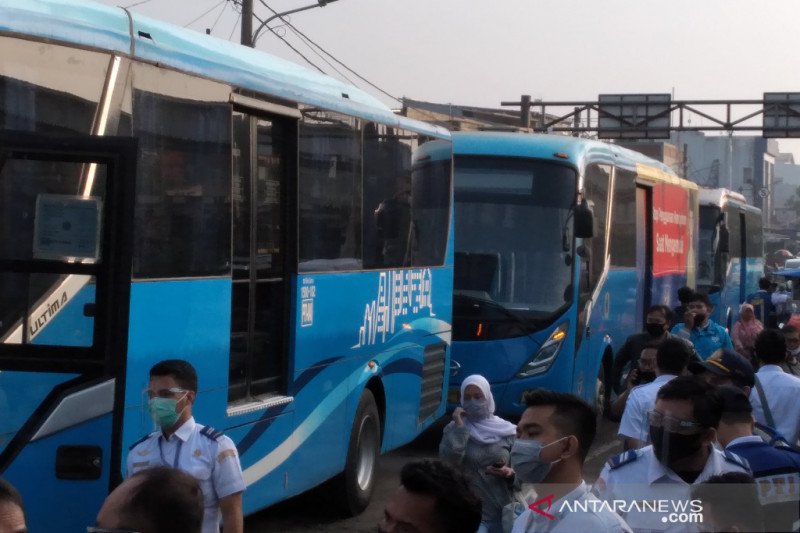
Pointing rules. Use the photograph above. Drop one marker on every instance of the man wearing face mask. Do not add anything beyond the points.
(792, 363)
(706, 335)
(656, 331)
(199, 450)
(671, 359)
(682, 431)
(553, 438)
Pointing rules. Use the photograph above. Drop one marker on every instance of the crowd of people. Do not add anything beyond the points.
(709, 424)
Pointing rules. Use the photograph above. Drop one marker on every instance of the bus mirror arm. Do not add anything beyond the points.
(584, 220)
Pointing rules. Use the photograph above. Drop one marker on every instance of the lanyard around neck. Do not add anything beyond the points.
(177, 452)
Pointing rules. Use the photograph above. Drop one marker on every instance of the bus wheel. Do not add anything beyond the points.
(358, 479)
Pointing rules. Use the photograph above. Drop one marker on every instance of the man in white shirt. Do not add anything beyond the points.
(682, 430)
(671, 358)
(775, 396)
(554, 435)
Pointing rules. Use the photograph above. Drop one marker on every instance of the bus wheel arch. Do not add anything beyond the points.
(354, 486)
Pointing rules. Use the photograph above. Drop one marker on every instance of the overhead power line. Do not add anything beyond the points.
(212, 8)
(307, 38)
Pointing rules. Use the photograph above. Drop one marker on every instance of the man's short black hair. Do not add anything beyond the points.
(706, 405)
(571, 415)
(9, 494)
(700, 297)
(180, 370)
(764, 284)
(733, 498)
(664, 310)
(457, 507)
(673, 355)
(788, 328)
(166, 500)
(685, 294)
(770, 347)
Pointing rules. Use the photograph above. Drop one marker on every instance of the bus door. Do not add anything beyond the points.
(644, 253)
(65, 223)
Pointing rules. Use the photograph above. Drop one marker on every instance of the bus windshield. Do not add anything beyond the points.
(706, 249)
(512, 226)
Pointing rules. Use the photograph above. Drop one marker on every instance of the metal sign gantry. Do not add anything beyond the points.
(654, 116)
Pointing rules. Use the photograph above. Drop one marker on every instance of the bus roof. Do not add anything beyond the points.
(722, 197)
(574, 150)
(97, 26)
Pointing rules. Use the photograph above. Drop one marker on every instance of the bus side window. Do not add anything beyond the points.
(597, 186)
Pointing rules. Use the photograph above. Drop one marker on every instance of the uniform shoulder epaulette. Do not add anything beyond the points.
(138, 442)
(211, 433)
(735, 459)
(616, 461)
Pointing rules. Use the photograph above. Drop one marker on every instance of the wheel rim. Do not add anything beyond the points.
(367, 453)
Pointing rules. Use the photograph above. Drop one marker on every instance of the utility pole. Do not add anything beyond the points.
(247, 23)
(525, 111)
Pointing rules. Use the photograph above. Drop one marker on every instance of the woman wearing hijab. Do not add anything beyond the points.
(481, 443)
(745, 332)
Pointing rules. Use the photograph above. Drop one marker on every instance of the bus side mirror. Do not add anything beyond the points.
(584, 221)
(724, 245)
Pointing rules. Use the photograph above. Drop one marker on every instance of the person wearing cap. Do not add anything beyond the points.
(774, 397)
(672, 357)
(706, 335)
(726, 368)
(776, 469)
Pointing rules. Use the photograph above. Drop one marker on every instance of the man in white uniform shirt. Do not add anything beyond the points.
(661, 475)
(671, 358)
(199, 450)
(554, 435)
(775, 396)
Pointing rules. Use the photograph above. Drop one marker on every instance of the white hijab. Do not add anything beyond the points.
(493, 428)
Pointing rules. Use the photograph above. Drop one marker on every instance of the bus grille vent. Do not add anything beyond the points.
(432, 380)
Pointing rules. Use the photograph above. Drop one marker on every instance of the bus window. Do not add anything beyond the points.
(330, 192)
(387, 197)
(182, 215)
(708, 270)
(623, 221)
(597, 182)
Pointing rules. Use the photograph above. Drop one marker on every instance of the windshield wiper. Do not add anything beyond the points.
(477, 300)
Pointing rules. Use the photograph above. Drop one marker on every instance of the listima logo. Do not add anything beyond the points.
(673, 512)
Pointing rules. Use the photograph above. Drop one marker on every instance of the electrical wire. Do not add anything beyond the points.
(211, 29)
(359, 76)
(287, 43)
(136, 4)
(215, 6)
(339, 72)
(235, 25)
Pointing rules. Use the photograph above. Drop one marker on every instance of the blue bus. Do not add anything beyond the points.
(538, 301)
(730, 253)
(168, 194)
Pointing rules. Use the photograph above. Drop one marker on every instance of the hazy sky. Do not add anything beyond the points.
(481, 52)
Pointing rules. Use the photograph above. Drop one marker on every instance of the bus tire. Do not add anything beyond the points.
(356, 483)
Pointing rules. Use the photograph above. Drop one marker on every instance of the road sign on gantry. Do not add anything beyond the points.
(634, 116)
(781, 115)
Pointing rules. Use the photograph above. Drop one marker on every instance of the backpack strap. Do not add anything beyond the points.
(764, 405)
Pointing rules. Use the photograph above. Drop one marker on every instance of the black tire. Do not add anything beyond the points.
(356, 483)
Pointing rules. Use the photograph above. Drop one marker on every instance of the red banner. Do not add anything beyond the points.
(671, 234)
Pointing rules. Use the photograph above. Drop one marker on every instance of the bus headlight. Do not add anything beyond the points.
(544, 358)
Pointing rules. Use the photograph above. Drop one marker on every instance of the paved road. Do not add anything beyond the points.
(313, 511)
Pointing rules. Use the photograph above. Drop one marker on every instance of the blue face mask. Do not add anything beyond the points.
(477, 409)
(526, 462)
(164, 411)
